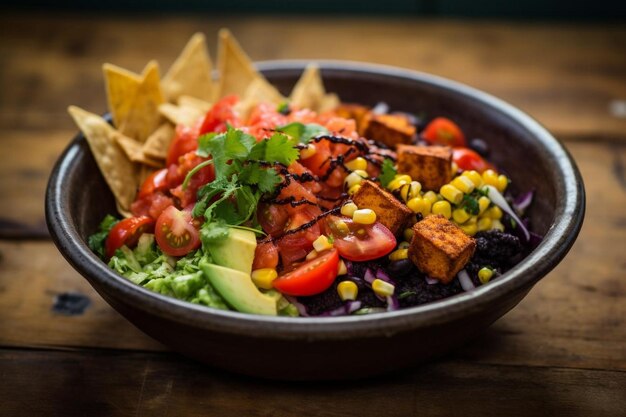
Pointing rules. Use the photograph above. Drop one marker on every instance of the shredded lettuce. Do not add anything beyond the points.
(97, 240)
(148, 266)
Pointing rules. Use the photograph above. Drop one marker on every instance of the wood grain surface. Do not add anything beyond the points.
(562, 351)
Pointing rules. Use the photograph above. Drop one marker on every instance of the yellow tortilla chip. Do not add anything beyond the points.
(309, 90)
(125, 213)
(117, 169)
(329, 102)
(235, 68)
(191, 73)
(158, 143)
(189, 101)
(179, 115)
(134, 151)
(144, 117)
(257, 92)
(121, 87)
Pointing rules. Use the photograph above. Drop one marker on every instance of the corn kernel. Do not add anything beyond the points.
(454, 168)
(383, 288)
(485, 274)
(357, 163)
(399, 254)
(364, 216)
(403, 177)
(347, 290)
(460, 215)
(497, 225)
(472, 220)
(408, 234)
(484, 223)
(475, 177)
(431, 196)
(503, 182)
(264, 277)
(348, 209)
(451, 193)
(490, 177)
(404, 192)
(343, 269)
(414, 189)
(403, 245)
(442, 207)
(464, 184)
(361, 173)
(311, 255)
(354, 178)
(419, 205)
(322, 243)
(308, 152)
(495, 213)
(483, 203)
(354, 189)
(469, 228)
(396, 184)
(342, 227)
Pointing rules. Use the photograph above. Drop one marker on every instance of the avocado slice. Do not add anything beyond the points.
(236, 251)
(238, 290)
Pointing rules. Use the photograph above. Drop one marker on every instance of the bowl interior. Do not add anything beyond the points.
(78, 197)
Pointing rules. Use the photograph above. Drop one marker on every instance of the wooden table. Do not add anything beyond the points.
(562, 351)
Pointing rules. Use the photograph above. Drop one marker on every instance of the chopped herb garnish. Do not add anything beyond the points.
(303, 133)
(470, 204)
(387, 173)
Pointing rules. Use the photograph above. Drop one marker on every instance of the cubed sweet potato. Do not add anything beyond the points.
(389, 211)
(390, 129)
(439, 248)
(430, 165)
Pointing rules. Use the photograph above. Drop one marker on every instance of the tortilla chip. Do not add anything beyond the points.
(329, 102)
(189, 101)
(121, 86)
(257, 92)
(117, 169)
(191, 73)
(235, 68)
(134, 151)
(125, 213)
(144, 116)
(179, 115)
(158, 143)
(309, 90)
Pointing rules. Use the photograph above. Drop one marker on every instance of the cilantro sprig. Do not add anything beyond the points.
(388, 172)
(243, 173)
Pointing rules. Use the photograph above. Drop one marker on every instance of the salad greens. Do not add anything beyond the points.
(97, 240)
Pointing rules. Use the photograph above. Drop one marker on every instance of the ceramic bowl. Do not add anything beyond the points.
(354, 346)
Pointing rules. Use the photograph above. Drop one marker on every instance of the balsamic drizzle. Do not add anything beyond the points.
(305, 225)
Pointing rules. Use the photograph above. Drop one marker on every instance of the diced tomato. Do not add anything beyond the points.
(185, 141)
(151, 205)
(221, 114)
(264, 119)
(272, 218)
(298, 192)
(297, 168)
(175, 233)
(443, 131)
(265, 256)
(127, 232)
(157, 181)
(311, 277)
(467, 160)
(342, 127)
(358, 242)
(318, 163)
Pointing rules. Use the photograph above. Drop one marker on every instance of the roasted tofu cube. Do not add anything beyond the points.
(390, 129)
(439, 248)
(354, 111)
(430, 165)
(389, 211)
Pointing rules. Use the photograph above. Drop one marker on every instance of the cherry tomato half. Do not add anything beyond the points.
(443, 131)
(127, 232)
(467, 159)
(221, 114)
(175, 233)
(311, 277)
(358, 242)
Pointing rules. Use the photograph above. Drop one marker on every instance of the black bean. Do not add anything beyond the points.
(400, 268)
(479, 146)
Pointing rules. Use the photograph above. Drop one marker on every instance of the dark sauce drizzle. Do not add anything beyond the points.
(306, 225)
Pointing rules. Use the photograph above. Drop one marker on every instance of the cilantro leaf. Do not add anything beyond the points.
(278, 148)
(237, 144)
(212, 232)
(387, 172)
(470, 204)
(303, 133)
(268, 180)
